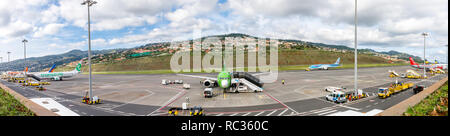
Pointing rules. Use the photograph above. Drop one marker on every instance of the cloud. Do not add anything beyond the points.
(49, 29)
(114, 15)
(383, 24)
(16, 29)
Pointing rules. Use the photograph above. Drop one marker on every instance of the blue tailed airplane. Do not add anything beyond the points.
(324, 66)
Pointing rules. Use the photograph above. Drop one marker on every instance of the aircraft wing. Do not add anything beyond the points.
(202, 77)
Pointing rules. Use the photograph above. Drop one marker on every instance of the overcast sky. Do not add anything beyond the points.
(58, 26)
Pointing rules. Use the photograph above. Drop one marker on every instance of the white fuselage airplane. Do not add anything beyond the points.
(415, 65)
(58, 75)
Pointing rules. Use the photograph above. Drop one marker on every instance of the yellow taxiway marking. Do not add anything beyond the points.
(261, 96)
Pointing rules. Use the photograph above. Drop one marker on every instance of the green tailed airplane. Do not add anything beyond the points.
(58, 75)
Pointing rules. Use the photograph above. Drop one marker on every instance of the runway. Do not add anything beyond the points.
(302, 95)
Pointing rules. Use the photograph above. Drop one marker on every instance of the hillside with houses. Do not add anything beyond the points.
(154, 56)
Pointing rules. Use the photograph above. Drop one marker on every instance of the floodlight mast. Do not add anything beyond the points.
(89, 3)
(356, 47)
(8, 55)
(424, 46)
(25, 54)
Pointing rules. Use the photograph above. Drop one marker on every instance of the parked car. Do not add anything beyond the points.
(418, 89)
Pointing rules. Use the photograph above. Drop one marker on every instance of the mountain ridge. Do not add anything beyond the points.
(40, 63)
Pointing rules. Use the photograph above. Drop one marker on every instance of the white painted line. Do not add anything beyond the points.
(320, 111)
(349, 107)
(280, 102)
(246, 114)
(271, 112)
(219, 114)
(327, 112)
(57, 108)
(234, 114)
(375, 103)
(156, 114)
(259, 113)
(283, 112)
(368, 106)
(355, 113)
(150, 94)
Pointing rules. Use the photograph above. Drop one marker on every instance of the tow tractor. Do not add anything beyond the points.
(33, 84)
(86, 99)
(40, 88)
(21, 81)
(393, 89)
(44, 83)
(196, 111)
(384, 93)
(440, 71)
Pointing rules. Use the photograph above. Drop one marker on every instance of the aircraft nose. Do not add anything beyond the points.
(224, 83)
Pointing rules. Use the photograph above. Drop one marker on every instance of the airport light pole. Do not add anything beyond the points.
(424, 65)
(89, 3)
(356, 47)
(8, 55)
(25, 53)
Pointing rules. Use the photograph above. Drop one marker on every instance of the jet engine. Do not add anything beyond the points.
(208, 83)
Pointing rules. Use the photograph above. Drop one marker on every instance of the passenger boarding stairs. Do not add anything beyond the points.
(250, 85)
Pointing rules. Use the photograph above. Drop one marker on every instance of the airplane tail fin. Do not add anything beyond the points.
(26, 69)
(411, 61)
(52, 69)
(78, 68)
(338, 60)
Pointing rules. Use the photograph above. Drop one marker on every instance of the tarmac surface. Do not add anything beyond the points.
(302, 95)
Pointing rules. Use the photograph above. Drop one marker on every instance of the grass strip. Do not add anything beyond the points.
(435, 104)
(9, 106)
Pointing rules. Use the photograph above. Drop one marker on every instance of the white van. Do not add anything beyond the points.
(164, 82)
(337, 97)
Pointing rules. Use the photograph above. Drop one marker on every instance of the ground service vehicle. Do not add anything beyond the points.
(337, 97)
(186, 86)
(411, 74)
(40, 88)
(178, 82)
(241, 88)
(333, 89)
(86, 99)
(208, 92)
(384, 93)
(400, 86)
(196, 111)
(44, 83)
(393, 89)
(33, 84)
(164, 82)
